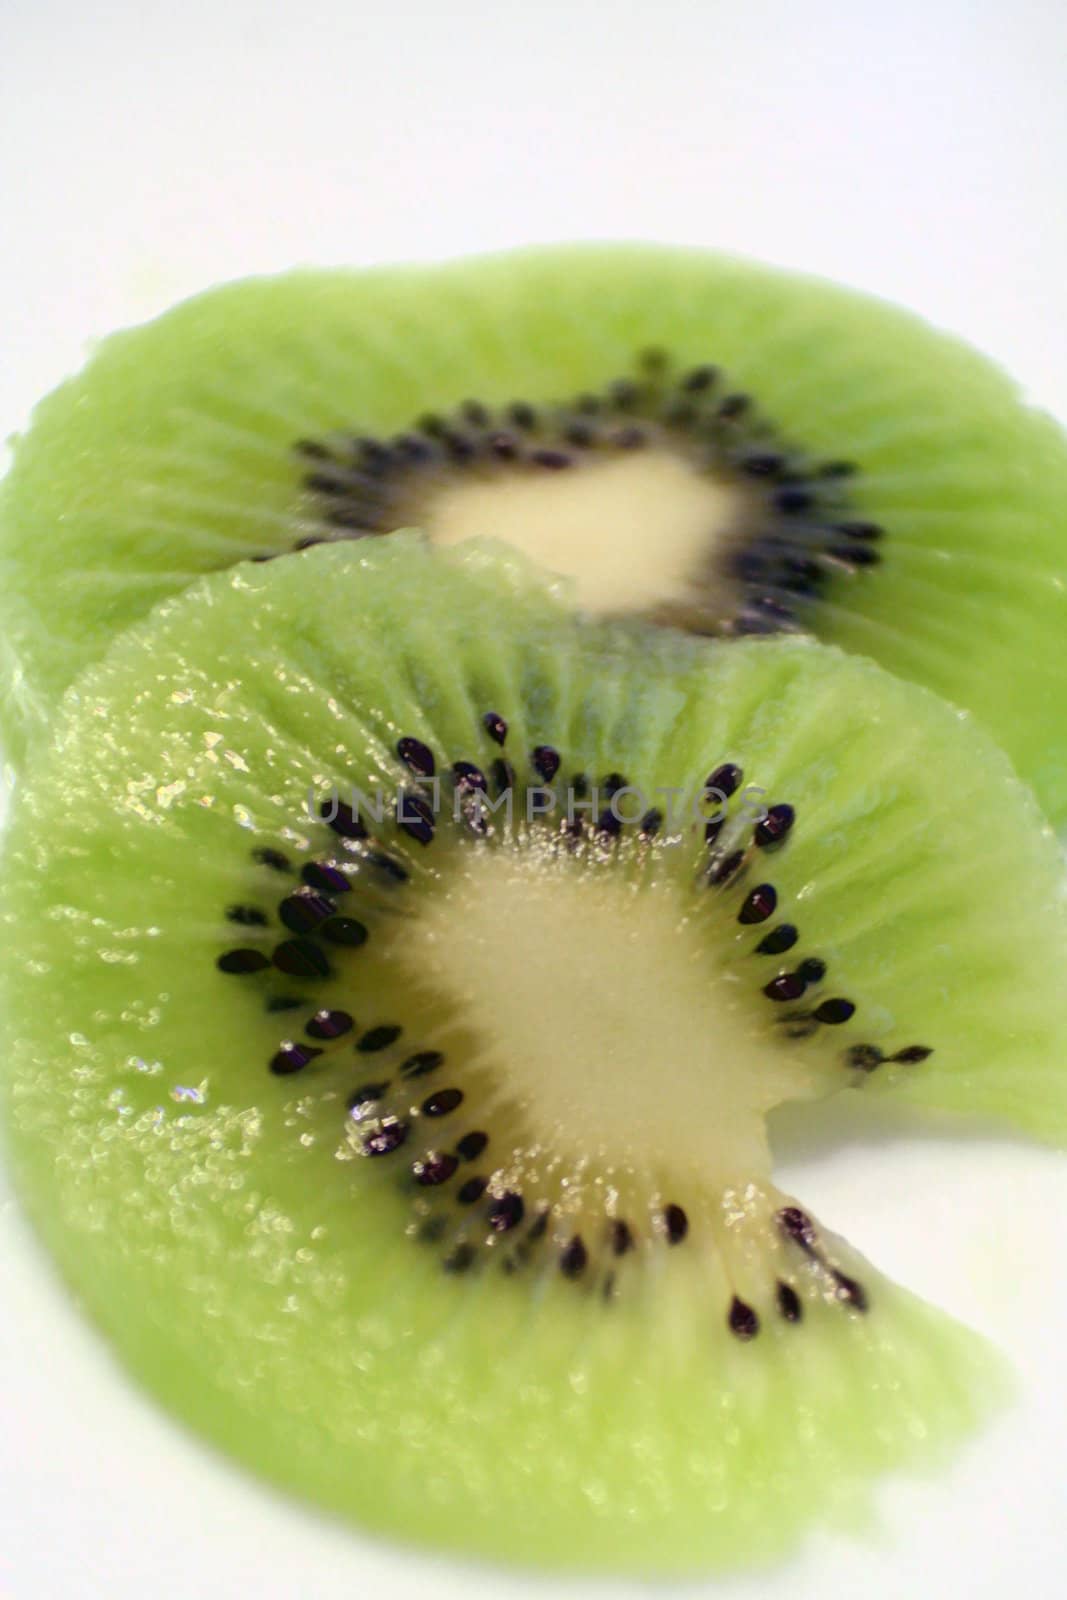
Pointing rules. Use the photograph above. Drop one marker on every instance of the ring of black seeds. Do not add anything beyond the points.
(387, 1121)
(800, 529)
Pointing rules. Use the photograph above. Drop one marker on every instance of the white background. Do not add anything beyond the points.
(913, 147)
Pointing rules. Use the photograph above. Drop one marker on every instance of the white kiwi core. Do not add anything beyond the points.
(602, 1009)
(635, 532)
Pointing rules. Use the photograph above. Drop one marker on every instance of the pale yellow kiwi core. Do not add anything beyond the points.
(635, 533)
(599, 1012)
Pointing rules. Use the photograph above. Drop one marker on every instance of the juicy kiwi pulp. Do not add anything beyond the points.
(704, 442)
(392, 1014)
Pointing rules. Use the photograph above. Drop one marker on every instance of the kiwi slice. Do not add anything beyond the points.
(391, 1014)
(713, 444)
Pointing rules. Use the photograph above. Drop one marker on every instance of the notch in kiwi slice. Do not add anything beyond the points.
(712, 444)
(399, 974)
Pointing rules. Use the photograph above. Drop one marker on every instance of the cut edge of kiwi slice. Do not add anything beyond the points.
(474, 1264)
(714, 444)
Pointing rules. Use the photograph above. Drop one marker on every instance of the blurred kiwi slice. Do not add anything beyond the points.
(399, 974)
(713, 444)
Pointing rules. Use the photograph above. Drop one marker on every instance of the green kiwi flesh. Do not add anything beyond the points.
(711, 443)
(418, 1158)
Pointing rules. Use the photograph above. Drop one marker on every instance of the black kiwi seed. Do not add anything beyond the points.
(580, 435)
(573, 1258)
(272, 859)
(773, 828)
(545, 762)
(389, 1137)
(834, 1011)
(324, 877)
(285, 1002)
(434, 1169)
(857, 555)
(323, 483)
(302, 912)
(460, 446)
(797, 1225)
(472, 1190)
(721, 872)
(724, 781)
(468, 776)
(292, 1058)
(379, 1038)
(792, 500)
(388, 865)
(346, 931)
(503, 775)
(554, 460)
(608, 825)
(442, 1102)
(675, 1224)
(415, 816)
(912, 1053)
(506, 1212)
(651, 823)
(342, 819)
(421, 1063)
(372, 455)
(329, 1025)
(471, 1145)
(522, 415)
(416, 756)
(242, 961)
(622, 1239)
(778, 941)
(247, 916)
(761, 463)
(849, 1292)
(760, 903)
(812, 970)
(787, 986)
(699, 379)
(712, 829)
(366, 1094)
(860, 530)
(789, 1303)
(734, 405)
(743, 1321)
(301, 958)
(495, 726)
